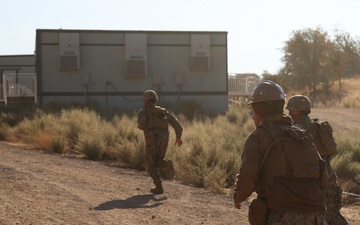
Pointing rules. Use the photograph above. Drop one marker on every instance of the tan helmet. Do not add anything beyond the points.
(267, 91)
(299, 102)
(150, 95)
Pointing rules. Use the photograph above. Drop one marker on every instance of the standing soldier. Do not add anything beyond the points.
(281, 164)
(299, 107)
(154, 121)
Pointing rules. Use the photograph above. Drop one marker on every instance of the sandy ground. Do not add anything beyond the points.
(43, 188)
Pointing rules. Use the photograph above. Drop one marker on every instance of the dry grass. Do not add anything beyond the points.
(210, 155)
(348, 96)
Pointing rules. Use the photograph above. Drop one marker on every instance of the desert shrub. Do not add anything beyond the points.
(130, 154)
(5, 130)
(78, 121)
(238, 114)
(347, 161)
(209, 157)
(8, 119)
(91, 134)
(59, 144)
(14, 114)
(93, 147)
(38, 131)
(129, 146)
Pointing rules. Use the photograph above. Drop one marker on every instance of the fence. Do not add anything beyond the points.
(241, 86)
(17, 85)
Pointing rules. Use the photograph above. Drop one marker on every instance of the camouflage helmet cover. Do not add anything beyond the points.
(267, 91)
(299, 102)
(150, 95)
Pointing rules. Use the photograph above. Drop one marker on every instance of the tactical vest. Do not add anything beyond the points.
(157, 118)
(291, 154)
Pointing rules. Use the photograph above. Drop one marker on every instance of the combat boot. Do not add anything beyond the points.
(158, 189)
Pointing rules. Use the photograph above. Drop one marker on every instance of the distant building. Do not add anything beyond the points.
(114, 68)
(241, 85)
(17, 78)
(17, 64)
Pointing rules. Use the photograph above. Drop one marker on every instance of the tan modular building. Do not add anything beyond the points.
(114, 68)
(18, 78)
(17, 64)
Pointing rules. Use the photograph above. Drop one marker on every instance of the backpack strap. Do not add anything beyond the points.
(267, 151)
(266, 126)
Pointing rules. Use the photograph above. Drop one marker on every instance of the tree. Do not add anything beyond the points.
(312, 59)
(346, 57)
(306, 57)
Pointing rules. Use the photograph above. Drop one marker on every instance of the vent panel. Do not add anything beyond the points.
(135, 68)
(200, 62)
(69, 62)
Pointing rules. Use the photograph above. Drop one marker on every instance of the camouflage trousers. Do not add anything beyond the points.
(332, 195)
(155, 154)
(282, 218)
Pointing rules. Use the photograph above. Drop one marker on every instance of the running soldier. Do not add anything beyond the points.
(154, 121)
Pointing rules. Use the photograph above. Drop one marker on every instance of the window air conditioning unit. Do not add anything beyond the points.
(136, 64)
(200, 52)
(69, 60)
(69, 51)
(136, 54)
(200, 60)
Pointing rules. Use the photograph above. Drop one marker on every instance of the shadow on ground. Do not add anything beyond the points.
(134, 202)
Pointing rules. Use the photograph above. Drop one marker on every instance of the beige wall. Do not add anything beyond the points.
(102, 69)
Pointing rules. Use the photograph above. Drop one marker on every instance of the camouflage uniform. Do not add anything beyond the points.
(333, 191)
(288, 201)
(295, 219)
(154, 121)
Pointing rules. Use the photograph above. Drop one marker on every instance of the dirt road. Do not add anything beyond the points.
(43, 188)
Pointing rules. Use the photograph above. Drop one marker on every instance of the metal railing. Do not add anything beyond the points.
(2, 92)
(18, 85)
(242, 85)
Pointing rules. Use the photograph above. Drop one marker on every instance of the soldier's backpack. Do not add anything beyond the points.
(323, 138)
(294, 145)
(157, 118)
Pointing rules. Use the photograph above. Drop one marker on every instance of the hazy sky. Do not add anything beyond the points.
(257, 29)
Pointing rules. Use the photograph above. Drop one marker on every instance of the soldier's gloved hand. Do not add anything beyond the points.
(178, 142)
